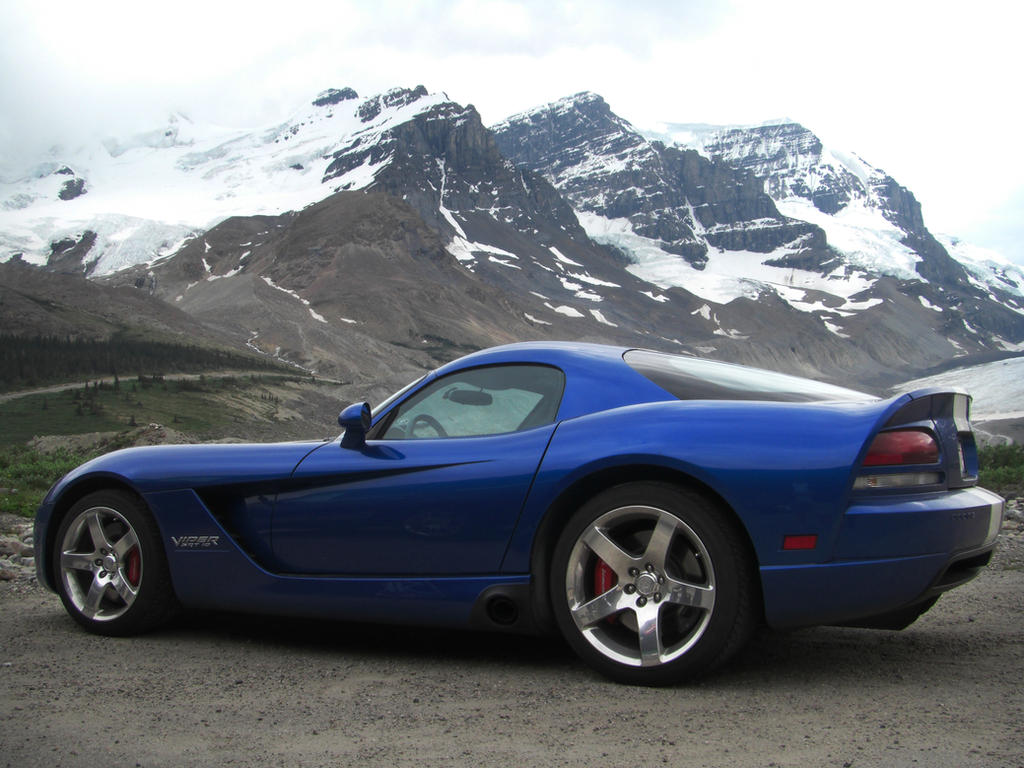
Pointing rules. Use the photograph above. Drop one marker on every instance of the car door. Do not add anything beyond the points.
(439, 492)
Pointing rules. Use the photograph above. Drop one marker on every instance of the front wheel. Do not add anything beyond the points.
(651, 585)
(110, 568)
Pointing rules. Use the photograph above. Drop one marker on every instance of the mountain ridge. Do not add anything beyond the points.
(399, 225)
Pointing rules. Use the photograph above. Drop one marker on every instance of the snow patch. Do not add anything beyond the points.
(232, 273)
(503, 262)
(466, 251)
(868, 240)
(563, 258)
(590, 280)
(650, 295)
(728, 275)
(313, 313)
(565, 310)
(838, 331)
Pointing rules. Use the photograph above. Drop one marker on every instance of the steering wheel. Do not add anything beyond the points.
(430, 421)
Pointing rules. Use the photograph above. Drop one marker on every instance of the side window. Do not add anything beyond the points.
(480, 401)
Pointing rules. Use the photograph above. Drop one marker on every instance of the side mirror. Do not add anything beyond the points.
(355, 420)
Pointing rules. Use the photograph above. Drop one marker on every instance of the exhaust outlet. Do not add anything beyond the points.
(502, 610)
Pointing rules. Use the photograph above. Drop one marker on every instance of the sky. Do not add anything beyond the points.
(927, 91)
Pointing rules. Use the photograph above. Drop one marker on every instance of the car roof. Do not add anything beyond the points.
(600, 376)
(543, 352)
(596, 376)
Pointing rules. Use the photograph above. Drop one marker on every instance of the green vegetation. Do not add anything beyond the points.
(1002, 469)
(26, 475)
(30, 362)
(202, 406)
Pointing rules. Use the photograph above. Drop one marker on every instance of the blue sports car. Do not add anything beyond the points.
(653, 508)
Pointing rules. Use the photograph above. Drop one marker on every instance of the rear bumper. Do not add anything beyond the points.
(889, 555)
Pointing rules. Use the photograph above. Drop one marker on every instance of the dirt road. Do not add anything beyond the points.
(231, 690)
(168, 377)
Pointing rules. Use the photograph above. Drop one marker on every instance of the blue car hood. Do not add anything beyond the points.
(169, 467)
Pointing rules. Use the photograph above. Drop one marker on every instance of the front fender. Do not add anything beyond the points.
(156, 469)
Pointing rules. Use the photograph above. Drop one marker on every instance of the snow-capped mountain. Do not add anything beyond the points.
(867, 215)
(988, 270)
(672, 211)
(759, 212)
(399, 226)
(446, 243)
(141, 198)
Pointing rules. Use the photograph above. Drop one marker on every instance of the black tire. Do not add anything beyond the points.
(110, 567)
(675, 567)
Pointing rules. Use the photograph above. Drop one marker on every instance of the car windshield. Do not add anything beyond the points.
(693, 378)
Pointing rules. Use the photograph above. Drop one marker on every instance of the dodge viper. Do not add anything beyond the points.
(652, 508)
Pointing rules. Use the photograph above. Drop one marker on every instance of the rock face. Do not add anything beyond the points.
(334, 96)
(68, 254)
(788, 159)
(673, 196)
(71, 189)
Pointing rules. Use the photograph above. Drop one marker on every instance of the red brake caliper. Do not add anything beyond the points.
(134, 567)
(604, 579)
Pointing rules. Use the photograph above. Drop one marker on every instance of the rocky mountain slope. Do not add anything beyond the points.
(371, 238)
(768, 213)
(447, 246)
(38, 303)
(876, 222)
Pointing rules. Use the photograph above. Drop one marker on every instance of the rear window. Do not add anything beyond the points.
(693, 378)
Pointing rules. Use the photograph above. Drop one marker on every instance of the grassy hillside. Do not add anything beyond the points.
(33, 361)
(99, 417)
(205, 407)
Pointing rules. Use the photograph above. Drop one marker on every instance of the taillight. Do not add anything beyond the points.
(902, 446)
(897, 448)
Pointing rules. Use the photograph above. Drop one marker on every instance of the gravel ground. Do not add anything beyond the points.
(240, 690)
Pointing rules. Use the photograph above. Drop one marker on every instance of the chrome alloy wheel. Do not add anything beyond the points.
(100, 563)
(640, 586)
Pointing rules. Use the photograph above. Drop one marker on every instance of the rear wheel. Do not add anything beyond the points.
(110, 567)
(650, 584)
